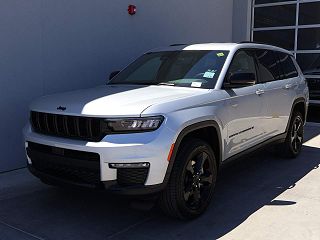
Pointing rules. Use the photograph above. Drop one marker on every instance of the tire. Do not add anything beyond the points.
(292, 146)
(192, 181)
(48, 182)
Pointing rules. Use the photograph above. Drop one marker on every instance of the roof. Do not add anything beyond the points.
(218, 46)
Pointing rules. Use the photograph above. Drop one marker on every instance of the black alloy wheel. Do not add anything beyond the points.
(292, 145)
(198, 179)
(192, 181)
(297, 134)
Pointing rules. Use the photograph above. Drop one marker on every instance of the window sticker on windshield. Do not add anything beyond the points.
(209, 74)
(196, 84)
(220, 54)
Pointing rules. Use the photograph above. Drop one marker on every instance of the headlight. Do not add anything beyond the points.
(134, 124)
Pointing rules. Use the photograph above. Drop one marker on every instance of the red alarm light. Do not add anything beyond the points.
(132, 9)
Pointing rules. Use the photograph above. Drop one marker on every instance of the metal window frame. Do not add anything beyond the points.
(295, 27)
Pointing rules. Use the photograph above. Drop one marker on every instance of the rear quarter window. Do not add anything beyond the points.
(288, 68)
(268, 65)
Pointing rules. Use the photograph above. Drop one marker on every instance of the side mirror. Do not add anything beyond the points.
(113, 74)
(240, 80)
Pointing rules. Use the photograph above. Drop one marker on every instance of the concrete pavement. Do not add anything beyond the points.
(259, 197)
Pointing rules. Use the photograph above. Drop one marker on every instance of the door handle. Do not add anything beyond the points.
(287, 86)
(235, 105)
(260, 92)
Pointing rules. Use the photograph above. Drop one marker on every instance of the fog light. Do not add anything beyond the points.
(129, 165)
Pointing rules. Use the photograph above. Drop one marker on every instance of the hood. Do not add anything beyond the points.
(111, 100)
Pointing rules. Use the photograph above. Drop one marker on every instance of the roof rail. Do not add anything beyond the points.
(178, 44)
(252, 42)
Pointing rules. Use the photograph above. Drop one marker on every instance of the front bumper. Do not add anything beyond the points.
(110, 186)
(148, 147)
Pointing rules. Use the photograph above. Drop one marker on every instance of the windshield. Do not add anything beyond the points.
(199, 69)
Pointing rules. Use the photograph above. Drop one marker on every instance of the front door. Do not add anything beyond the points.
(245, 107)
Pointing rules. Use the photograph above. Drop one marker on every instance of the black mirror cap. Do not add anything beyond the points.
(113, 74)
(240, 80)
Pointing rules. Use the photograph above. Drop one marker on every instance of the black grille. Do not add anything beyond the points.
(75, 166)
(132, 176)
(84, 128)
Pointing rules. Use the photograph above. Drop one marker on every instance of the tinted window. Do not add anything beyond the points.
(309, 39)
(309, 63)
(147, 71)
(309, 13)
(284, 15)
(288, 68)
(268, 65)
(280, 38)
(243, 62)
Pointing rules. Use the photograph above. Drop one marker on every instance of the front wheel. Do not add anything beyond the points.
(192, 181)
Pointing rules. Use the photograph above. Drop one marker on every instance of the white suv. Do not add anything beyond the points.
(168, 121)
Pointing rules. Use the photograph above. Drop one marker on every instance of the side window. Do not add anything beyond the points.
(242, 69)
(288, 67)
(268, 65)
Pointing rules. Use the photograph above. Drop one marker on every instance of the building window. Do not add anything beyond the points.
(275, 16)
(281, 38)
(293, 25)
(309, 13)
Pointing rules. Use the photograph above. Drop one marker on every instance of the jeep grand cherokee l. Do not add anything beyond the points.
(168, 121)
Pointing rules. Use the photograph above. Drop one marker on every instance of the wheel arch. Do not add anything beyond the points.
(201, 130)
(298, 104)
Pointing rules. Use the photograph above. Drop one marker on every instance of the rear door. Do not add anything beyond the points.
(270, 76)
(278, 77)
(290, 80)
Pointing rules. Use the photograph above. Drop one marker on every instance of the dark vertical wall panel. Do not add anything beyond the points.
(20, 74)
(241, 21)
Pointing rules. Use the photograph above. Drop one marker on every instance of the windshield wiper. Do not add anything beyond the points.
(166, 84)
(133, 83)
(144, 83)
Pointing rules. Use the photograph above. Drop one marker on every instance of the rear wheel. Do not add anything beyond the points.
(192, 181)
(292, 146)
